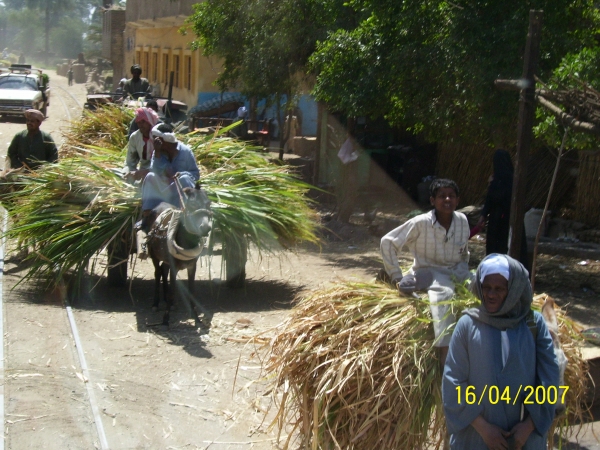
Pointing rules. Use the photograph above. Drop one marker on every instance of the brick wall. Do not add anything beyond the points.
(113, 41)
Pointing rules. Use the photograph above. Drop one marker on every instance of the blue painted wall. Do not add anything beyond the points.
(306, 103)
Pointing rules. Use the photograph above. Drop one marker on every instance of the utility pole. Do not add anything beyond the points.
(525, 132)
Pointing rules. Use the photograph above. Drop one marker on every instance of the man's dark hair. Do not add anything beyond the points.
(439, 183)
(164, 128)
(153, 104)
(136, 67)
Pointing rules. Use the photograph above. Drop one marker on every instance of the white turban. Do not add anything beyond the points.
(495, 264)
(167, 137)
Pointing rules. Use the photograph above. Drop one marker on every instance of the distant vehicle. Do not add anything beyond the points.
(22, 87)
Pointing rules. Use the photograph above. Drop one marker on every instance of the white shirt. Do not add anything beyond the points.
(135, 151)
(430, 244)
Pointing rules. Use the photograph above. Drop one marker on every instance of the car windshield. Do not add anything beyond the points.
(23, 83)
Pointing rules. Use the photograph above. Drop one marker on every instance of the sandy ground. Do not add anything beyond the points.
(185, 387)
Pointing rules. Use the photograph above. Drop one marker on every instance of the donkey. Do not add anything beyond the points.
(175, 241)
(549, 315)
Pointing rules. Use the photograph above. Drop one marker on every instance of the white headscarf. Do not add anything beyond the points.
(167, 137)
(495, 264)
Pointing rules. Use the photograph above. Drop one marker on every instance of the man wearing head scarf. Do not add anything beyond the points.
(151, 104)
(171, 160)
(499, 348)
(141, 145)
(136, 84)
(32, 147)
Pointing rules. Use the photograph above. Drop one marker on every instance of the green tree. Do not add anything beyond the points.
(576, 70)
(51, 10)
(46, 16)
(67, 39)
(431, 64)
(264, 45)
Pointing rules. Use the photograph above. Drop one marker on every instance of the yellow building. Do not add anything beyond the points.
(152, 40)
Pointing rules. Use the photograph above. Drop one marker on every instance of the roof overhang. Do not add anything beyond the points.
(161, 22)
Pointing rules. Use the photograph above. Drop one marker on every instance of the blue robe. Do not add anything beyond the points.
(475, 359)
(157, 187)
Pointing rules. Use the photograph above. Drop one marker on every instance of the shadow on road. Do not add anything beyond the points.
(96, 295)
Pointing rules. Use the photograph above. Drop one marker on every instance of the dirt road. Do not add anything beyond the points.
(181, 388)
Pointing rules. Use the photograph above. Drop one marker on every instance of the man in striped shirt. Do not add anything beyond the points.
(438, 242)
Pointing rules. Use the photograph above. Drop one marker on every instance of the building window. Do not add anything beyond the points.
(176, 69)
(154, 67)
(166, 69)
(188, 72)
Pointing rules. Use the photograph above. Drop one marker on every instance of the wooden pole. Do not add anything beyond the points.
(545, 212)
(525, 132)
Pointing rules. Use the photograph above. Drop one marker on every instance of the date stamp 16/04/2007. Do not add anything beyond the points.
(533, 395)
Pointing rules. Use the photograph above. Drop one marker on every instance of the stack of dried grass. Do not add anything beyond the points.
(356, 369)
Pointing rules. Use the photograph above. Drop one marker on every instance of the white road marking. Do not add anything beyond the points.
(2, 247)
(88, 385)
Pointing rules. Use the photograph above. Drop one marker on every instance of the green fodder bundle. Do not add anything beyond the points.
(105, 128)
(254, 202)
(356, 368)
(68, 212)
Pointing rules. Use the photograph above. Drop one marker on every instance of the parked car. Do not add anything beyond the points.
(23, 87)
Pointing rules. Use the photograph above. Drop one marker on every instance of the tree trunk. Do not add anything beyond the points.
(287, 126)
(525, 132)
(280, 130)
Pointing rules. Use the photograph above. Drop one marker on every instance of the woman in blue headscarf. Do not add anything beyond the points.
(495, 355)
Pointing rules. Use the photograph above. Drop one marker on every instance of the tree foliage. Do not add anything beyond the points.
(264, 45)
(54, 26)
(432, 63)
(426, 64)
(576, 71)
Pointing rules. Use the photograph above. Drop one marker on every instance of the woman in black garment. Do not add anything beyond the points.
(497, 208)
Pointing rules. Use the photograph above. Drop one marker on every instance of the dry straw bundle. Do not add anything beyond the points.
(356, 369)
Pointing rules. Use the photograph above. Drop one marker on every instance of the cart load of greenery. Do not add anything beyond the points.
(68, 212)
(355, 368)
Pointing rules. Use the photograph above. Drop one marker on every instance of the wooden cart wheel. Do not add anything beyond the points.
(235, 254)
(118, 257)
